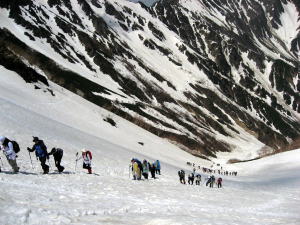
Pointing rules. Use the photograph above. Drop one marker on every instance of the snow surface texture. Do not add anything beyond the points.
(265, 191)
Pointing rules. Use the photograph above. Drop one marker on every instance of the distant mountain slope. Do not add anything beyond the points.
(212, 76)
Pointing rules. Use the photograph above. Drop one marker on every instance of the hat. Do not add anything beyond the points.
(2, 138)
(35, 139)
(83, 150)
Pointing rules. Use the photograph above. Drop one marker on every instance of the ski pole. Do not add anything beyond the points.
(1, 162)
(76, 161)
(129, 172)
(49, 164)
(30, 160)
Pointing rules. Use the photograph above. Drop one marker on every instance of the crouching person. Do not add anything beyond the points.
(57, 155)
(9, 151)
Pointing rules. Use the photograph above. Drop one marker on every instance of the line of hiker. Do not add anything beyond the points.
(139, 169)
(214, 171)
(10, 149)
(220, 172)
(193, 176)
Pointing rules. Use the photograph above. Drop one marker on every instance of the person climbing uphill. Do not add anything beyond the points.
(9, 151)
(57, 155)
(41, 153)
(87, 160)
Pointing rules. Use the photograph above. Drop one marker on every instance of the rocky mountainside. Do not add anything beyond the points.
(207, 75)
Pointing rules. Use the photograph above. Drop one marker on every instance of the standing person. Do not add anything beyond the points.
(41, 153)
(145, 169)
(133, 169)
(57, 154)
(181, 175)
(198, 179)
(157, 167)
(191, 178)
(87, 160)
(9, 151)
(213, 179)
(152, 170)
(219, 182)
(137, 169)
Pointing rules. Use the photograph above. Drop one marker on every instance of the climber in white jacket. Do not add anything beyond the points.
(8, 150)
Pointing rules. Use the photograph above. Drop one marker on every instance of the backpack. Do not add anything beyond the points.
(59, 152)
(39, 152)
(140, 166)
(16, 146)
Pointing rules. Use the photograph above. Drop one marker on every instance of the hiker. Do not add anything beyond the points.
(136, 169)
(87, 160)
(212, 181)
(181, 175)
(209, 179)
(191, 178)
(152, 169)
(57, 155)
(219, 182)
(9, 151)
(157, 167)
(41, 153)
(145, 169)
(198, 179)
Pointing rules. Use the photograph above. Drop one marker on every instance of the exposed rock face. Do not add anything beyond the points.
(203, 74)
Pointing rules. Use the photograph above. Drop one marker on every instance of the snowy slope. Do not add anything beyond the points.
(265, 191)
(202, 74)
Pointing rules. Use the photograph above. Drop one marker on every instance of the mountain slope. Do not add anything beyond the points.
(265, 190)
(213, 76)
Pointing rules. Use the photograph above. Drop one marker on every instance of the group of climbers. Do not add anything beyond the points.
(140, 169)
(11, 148)
(193, 176)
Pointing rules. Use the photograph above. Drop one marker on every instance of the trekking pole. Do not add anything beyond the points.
(49, 164)
(30, 160)
(129, 172)
(2, 162)
(76, 161)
